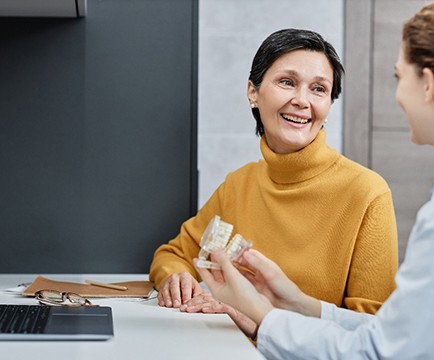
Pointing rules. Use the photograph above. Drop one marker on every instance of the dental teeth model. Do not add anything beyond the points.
(217, 234)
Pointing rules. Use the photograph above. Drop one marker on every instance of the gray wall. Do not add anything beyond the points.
(230, 32)
(97, 136)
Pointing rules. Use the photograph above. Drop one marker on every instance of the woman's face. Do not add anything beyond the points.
(294, 99)
(412, 94)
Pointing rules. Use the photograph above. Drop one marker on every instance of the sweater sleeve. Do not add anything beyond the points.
(375, 258)
(177, 255)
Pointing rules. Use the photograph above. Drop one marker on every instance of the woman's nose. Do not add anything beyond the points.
(300, 98)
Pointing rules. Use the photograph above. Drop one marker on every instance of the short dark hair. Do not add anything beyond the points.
(285, 41)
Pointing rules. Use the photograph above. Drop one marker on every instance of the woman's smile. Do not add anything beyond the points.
(296, 119)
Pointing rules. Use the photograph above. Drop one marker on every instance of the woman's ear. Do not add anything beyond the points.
(428, 76)
(252, 92)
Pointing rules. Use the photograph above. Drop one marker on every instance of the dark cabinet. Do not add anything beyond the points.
(98, 136)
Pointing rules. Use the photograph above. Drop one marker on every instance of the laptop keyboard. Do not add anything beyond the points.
(22, 319)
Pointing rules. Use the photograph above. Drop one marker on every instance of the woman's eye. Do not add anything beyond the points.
(287, 82)
(319, 88)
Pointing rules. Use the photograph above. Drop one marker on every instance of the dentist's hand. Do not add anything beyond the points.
(230, 287)
(270, 281)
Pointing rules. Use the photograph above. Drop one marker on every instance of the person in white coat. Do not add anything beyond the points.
(293, 325)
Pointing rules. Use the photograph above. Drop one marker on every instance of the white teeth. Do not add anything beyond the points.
(295, 119)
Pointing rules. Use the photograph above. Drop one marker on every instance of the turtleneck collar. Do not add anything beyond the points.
(301, 165)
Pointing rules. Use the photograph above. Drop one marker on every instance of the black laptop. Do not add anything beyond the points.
(40, 322)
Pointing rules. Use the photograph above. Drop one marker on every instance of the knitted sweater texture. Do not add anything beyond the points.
(327, 221)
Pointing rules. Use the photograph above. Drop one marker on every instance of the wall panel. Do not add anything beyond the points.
(97, 136)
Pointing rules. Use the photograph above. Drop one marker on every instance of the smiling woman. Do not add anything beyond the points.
(293, 99)
(325, 220)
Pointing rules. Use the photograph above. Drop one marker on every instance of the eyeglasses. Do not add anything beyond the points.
(57, 298)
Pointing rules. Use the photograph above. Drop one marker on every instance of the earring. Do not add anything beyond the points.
(252, 105)
(325, 121)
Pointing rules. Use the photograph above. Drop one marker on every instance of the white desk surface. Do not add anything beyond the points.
(143, 330)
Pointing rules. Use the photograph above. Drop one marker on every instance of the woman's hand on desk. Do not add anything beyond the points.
(205, 303)
(177, 289)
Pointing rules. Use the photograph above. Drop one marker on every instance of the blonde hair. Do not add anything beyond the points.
(418, 37)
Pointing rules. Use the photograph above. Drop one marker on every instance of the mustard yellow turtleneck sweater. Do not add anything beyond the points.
(325, 220)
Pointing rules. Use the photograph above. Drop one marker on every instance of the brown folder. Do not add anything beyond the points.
(139, 289)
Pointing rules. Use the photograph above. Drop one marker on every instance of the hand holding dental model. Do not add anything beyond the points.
(258, 289)
(216, 238)
(268, 287)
